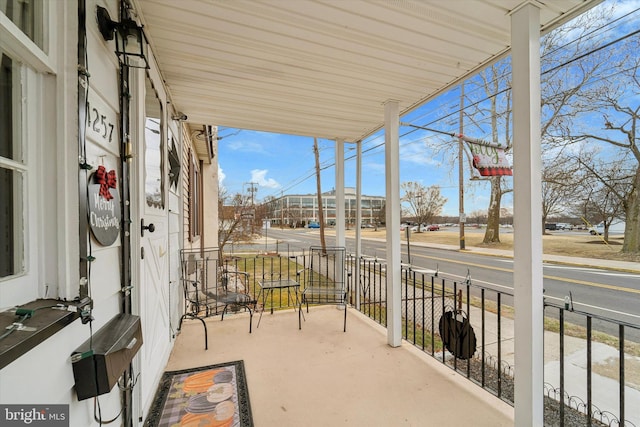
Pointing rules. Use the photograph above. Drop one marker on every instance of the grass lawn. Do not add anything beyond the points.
(565, 243)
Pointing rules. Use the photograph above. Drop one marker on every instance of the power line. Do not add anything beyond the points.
(612, 24)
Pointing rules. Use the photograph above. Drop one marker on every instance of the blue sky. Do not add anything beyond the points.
(279, 164)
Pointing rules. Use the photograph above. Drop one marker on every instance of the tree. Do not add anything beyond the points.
(604, 188)
(494, 84)
(380, 215)
(269, 207)
(560, 182)
(614, 103)
(232, 212)
(560, 85)
(423, 203)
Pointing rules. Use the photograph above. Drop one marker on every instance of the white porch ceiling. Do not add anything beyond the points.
(324, 68)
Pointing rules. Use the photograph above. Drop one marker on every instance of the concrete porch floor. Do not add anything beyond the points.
(321, 376)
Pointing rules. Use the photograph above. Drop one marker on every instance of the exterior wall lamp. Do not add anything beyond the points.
(131, 42)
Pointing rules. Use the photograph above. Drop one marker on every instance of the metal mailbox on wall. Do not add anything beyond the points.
(101, 361)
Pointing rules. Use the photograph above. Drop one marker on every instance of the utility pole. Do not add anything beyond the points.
(281, 210)
(252, 189)
(461, 168)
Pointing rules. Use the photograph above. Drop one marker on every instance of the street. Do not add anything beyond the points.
(609, 293)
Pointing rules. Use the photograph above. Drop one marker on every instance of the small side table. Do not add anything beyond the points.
(268, 286)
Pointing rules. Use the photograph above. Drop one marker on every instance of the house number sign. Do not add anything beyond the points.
(101, 120)
(104, 206)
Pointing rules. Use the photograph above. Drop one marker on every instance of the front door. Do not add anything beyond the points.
(153, 257)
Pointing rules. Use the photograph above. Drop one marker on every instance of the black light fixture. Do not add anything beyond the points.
(131, 42)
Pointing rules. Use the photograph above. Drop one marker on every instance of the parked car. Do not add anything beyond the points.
(551, 226)
(616, 227)
(313, 225)
(564, 226)
(422, 228)
(366, 225)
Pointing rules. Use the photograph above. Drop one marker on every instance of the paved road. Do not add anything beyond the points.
(608, 292)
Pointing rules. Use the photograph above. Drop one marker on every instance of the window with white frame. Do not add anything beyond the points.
(13, 169)
(28, 16)
(195, 199)
(22, 123)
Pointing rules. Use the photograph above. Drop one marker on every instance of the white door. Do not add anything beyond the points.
(153, 257)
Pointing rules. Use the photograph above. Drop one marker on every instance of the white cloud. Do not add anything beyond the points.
(375, 167)
(418, 154)
(221, 176)
(246, 146)
(259, 176)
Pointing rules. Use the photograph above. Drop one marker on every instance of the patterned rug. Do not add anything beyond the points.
(215, 396)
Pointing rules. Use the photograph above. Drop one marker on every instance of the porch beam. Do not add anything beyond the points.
(528, 277)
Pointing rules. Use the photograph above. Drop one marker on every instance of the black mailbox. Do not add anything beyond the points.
(99, 362)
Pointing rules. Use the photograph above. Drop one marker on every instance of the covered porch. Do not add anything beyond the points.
(345, 71)
(321, 376)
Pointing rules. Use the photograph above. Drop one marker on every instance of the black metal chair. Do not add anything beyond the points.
(325, 280)
(211, 288)
(235, 292)
(194, 304)
(198, 266)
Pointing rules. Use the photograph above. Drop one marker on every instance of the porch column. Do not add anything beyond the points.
(527, 191)
(356, 279)
(340, 213)
(392, 175)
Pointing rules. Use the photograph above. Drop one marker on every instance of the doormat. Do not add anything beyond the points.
(215, 395)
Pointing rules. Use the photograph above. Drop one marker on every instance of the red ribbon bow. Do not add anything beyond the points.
(106, 180)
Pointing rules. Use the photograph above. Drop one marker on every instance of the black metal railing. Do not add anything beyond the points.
(593, 383)
(487, 356)
(426, 297)
(256, 267)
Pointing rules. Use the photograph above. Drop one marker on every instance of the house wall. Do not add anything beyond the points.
(199, 167)
(44, 375)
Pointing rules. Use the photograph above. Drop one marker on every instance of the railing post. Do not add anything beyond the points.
(589, 397)
(498, 301)
(483, 336)
(433, 325)
(561, 367)
(621, 378)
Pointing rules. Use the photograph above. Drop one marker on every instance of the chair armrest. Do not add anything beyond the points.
(193, 283)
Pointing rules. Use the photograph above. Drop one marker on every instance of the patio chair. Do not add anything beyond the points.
(235, 292)
(199, 268)
(211, 289)
(325, 280)
(194, 305)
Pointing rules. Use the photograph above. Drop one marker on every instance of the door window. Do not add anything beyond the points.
(154, 148)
